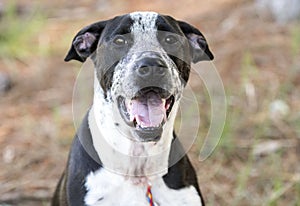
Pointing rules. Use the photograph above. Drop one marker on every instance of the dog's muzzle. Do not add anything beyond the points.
(149, 97)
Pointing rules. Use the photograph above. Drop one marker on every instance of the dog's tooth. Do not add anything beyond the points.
(131, 117)
(142, 125)
(128, 104)
(137, 119)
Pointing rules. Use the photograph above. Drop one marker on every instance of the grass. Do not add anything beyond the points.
(17, 37)
(259, 179)
(295, 41)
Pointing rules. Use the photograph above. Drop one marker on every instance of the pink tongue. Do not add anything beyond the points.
(149, 111)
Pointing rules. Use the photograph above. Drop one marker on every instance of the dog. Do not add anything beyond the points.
(126, 151)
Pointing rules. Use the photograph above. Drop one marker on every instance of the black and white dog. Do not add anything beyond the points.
(125, 152)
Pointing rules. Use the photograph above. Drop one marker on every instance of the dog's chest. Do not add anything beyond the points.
(105, 189)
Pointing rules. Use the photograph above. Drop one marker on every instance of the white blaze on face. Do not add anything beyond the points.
(147, 18)
(144, 30)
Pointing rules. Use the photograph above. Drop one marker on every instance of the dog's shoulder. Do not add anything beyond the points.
(83, 160)
(181, 172)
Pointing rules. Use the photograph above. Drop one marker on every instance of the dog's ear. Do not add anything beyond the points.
(85, 42)
(199, 47)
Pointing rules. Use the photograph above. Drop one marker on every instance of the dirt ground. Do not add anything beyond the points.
(257, 159)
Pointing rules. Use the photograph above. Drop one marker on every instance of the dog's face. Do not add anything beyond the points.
(142, 62)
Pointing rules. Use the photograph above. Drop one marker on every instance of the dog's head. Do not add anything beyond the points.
(142, 63)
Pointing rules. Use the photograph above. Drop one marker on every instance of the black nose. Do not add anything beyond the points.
(151, 67)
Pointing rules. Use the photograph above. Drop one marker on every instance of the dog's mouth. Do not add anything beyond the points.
(147, 111)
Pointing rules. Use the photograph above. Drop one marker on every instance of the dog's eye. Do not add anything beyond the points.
(120, 40)
(170, 39)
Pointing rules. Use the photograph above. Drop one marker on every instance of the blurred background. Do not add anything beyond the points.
(256, 44)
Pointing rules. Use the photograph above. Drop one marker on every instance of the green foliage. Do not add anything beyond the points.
(295, 43)
(17, 33)
(248, 67)
(297, 200)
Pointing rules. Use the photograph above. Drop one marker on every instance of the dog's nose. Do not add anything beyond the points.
(151, 67)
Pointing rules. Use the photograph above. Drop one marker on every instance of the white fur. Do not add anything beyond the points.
(117, 190)
(143, 21)
(144, 32)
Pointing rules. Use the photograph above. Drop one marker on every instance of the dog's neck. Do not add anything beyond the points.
(116, 148)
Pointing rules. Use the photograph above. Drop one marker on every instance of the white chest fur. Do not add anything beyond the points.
(106, 189)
